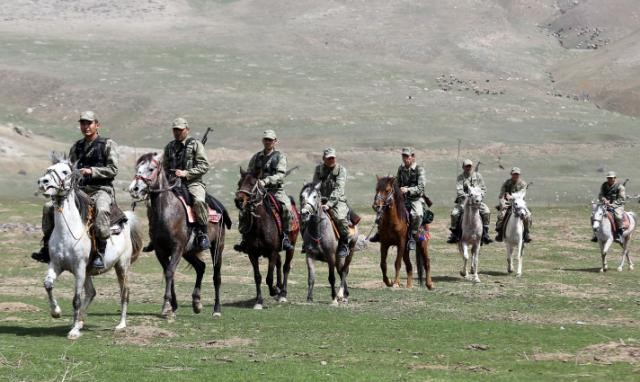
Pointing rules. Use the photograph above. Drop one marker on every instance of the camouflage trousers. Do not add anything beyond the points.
(340, 215)
(502, 212)
(618, 213)
(416, 213)
(199, 193)
(485, 214)
(285, 213)
(102, 224)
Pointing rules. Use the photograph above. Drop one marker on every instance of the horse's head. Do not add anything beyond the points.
(309, 201)
(597, 214)
(148, 169)
(385, 190)
(475, 196)
(249, 190)
(57, 180)
(519, 206)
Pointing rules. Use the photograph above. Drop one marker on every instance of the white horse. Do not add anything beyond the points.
(514, 230)
(70, 246)
(604, 232)
(471, 233)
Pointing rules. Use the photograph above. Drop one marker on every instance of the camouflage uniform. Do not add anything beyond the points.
(616, 196)
(508, 187)
(464, 182)
(414, 178)
(332, 187)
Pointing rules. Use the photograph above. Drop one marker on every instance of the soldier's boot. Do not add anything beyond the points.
(619, 235)
(148, 248)
(286, 244)
(375, 238)
(98, 260)
(43, 254)
(241, 247)
(486, 239)
(343, 247)
(594, 238)
(498, 237)
(454, 237)
(525, 235)
(411, 244)
(202, 237)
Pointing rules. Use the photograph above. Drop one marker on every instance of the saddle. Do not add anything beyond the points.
(353, 218)
(625, 220)
(87, 206)
(217, 211)
(274, 208)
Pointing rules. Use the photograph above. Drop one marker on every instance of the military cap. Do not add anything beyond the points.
(407, 151)
(88, 116)
(179, 123)
(611, 174)
(329, 152)
(467, 162)
(269, 134)
(515, 170)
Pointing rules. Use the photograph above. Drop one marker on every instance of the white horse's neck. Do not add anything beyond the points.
(67, 216)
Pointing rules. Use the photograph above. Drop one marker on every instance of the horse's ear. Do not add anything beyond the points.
(57, 157)
(377, 177)
(242, 172)
(317, 186)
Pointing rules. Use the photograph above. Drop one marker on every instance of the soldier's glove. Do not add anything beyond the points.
(262, 183)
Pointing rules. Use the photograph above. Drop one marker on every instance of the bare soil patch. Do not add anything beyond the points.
(220, 343)
(143, 335)
(605, 353)
(12, 307)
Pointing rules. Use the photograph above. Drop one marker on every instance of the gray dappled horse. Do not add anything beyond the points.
(263, 238)
(171, 235)
(605, 234)
(514, 231)
(70, 245)
(471, 237)
(320, 241)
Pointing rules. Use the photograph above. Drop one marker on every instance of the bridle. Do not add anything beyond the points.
(382, 202)
(256, 197)
(153, 178)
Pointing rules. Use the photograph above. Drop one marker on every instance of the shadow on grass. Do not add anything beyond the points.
(588, 270)
(494, 273)
(37, 331)
(446, 279)
(247, 304)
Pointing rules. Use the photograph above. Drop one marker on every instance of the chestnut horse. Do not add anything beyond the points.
(263, 238)
(393, 226)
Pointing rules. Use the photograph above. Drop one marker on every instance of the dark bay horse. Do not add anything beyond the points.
(393, 227)
(171, 235)
(263, 238)
(320, 241)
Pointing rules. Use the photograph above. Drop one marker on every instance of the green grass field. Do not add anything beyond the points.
(561, 321)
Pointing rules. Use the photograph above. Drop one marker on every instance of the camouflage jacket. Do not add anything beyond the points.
(101, 155)
(464, 182)
(414, 178)
(614, 194)
(333, 181)
(508, 187)
(188, 155)
(270, 168)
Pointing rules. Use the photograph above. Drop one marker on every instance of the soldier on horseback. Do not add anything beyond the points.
(466, 180)
(509, 187)
(186, 158)
(270, 165)
(411, 180)
(333, 178)
(96, 158)
(613, 195)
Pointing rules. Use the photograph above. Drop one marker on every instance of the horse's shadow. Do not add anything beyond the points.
(446, 279)
(245, 304)
(36, 331)
(588, 270)
(494, 273)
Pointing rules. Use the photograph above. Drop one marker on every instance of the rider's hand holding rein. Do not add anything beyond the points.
(181, 173)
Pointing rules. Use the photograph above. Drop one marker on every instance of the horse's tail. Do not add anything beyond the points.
(135, 235)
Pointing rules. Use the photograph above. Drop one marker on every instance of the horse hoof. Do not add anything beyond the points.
(602, 270)
(121, 326)
(282, 299)
(80, 325)
(257, 307)
(630, 267)
(334, 303)
(518, 274)
(463, 273)
(509, 270)
(476, 280)
(197, 307)
(74, 334)
(430, 286)
(56, 313)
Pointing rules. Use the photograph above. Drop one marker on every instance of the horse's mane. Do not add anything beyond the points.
(146, 158)
(84, 204)
(398, 197)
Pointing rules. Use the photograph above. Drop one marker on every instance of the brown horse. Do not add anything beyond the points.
(393, 226)
(172, 236)
(263, 238)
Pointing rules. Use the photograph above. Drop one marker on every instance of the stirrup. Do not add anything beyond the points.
(98, 262)
(594, 239)
(411, 244)
(375, 238)
(42, 255)
(148, 248)
(343, 250)
(286, 244)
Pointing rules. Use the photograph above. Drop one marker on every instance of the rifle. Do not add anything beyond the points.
(206, 135)
(477, 166)
(625, 182)
(289, 171)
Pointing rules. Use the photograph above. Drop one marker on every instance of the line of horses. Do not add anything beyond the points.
(173, 238)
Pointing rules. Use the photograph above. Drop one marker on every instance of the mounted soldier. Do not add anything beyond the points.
(411, 181)
(613, 195)
(467, 179)
(510, 187)
(96, 158)
(186, 158)
(270, 166)
(333, 178)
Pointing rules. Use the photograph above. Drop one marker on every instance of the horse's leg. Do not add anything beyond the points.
(475, 256)
(426, 261)
(286, 268)
(384, 251)
(170, 302)
(50, 278)
(278, 271)
(257, 277)
(311, 278)
(398, 263)
(217, 277)
(89, 294)
(604, 248)
(80, 274)
(122, 271)
(273, 261)
(406, 257)
(519, 256)
(343, 269)
(464, 251)
(331, 262)
(199, 266)
(509, 256)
